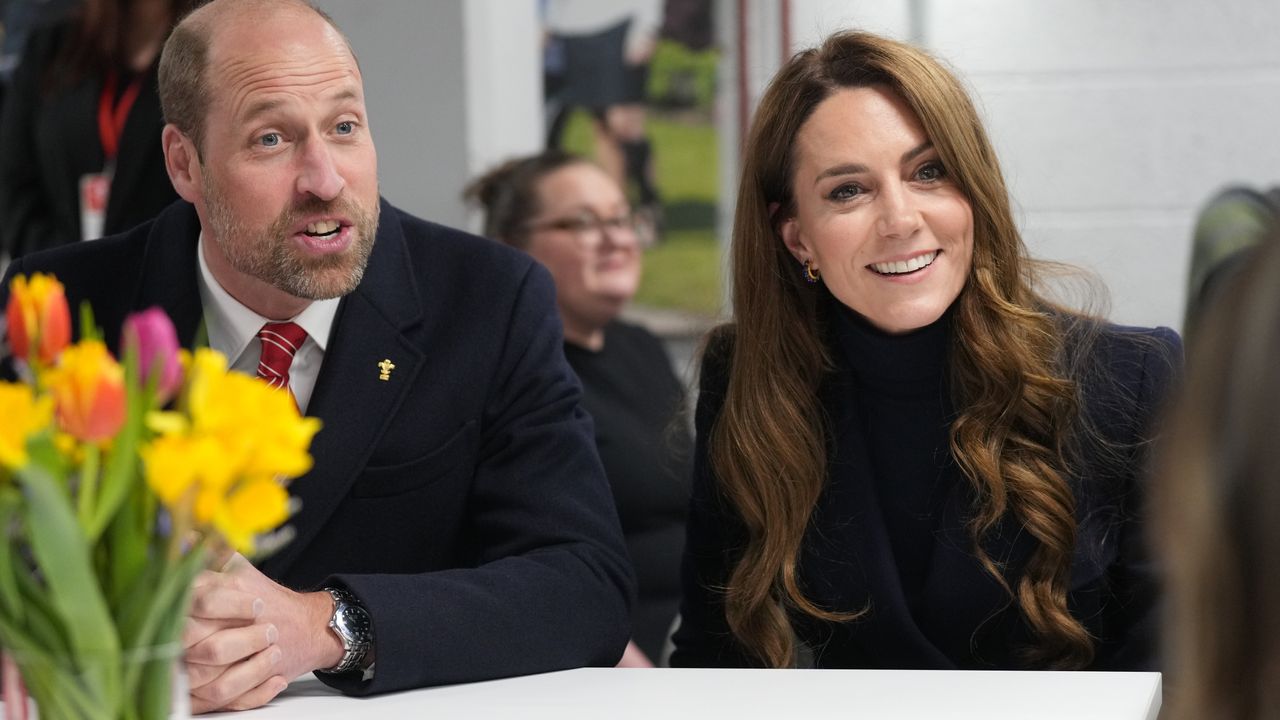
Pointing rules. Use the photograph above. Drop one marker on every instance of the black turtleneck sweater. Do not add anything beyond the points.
(897, 386)
(642, 434)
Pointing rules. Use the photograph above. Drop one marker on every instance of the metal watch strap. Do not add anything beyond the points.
(351, 623)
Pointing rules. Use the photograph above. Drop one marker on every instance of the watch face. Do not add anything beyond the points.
(352, 623)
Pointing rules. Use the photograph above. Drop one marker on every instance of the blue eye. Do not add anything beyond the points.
(346, 127)
(270, 139)
(848, 191)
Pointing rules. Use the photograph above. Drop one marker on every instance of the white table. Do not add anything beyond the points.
(745, 694)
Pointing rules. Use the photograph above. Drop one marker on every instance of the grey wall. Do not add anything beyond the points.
(452, 87)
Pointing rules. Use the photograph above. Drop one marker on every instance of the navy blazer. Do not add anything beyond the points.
(462, 500)
(962, 619)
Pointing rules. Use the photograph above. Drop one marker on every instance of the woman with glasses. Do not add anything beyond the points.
(572, 217)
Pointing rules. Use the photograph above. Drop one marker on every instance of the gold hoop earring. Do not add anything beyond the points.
(811, 274)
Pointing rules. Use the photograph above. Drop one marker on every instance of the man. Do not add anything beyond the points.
(457, 506)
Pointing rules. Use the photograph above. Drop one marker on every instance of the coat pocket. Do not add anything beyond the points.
(452, 458)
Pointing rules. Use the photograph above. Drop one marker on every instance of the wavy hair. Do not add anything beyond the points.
(1015, 394)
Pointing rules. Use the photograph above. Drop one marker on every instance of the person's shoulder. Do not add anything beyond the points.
(1128, 371)
(717, 359)
(94, 258)
(1129, 344)
(438, 242)
(631, 334)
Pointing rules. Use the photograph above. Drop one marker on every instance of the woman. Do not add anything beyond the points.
(1216, 500)
(572, 217)
(906, 458)
(80, 152)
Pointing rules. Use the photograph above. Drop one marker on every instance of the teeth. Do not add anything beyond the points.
(905, 266)
(323, 227)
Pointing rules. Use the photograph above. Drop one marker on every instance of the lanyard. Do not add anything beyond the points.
(112, 115)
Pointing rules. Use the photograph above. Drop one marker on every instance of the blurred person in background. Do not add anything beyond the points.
(1229, 228)
(80, 153)
(599, 54)
(573, 218)
(1216, 497)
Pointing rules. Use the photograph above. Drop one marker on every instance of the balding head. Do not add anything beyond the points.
(183, 76)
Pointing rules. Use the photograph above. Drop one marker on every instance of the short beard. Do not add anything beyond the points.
(270, 256)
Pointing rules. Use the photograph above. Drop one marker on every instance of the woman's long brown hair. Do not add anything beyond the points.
(1016, 399)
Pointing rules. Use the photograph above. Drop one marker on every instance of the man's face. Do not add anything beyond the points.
(288, 171)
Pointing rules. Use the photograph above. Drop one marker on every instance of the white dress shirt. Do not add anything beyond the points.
(233, 331)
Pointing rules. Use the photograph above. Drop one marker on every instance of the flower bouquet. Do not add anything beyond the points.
(119, 483)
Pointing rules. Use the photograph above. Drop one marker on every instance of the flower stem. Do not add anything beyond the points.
(88, 483)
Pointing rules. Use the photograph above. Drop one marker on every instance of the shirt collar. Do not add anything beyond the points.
(231, 325)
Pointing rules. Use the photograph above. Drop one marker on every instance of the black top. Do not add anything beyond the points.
(49, 139)
(903, 415)
(636, 400)
(890, 529)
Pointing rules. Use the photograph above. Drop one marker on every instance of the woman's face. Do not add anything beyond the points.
(583, 235)
(876, 212)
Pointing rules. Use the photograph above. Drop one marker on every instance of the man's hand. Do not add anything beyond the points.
(247, 637)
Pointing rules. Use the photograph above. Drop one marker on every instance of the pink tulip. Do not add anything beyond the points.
(151, 334)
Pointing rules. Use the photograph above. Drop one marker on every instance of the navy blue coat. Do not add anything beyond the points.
(961, 617)
(462, 500)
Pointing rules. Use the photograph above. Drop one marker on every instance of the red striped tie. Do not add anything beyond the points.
(280, 341)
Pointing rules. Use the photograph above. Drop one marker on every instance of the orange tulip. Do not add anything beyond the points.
(38, 317)
(88, 391)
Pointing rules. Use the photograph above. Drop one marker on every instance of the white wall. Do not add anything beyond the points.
(1114, 120)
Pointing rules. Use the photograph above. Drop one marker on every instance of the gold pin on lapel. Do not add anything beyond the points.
(384, 369)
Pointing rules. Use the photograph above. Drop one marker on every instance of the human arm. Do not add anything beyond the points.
(1131, 614)
(542, 581)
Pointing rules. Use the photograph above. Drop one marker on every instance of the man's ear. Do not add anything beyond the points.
(182, 163)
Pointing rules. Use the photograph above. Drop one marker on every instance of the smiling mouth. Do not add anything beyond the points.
(905, 267)
(322, 229)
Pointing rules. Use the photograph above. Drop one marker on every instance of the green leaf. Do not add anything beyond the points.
(122, 472)
(10, 600)
(88, 328)
(162, 622)
(61, 552)
(130, 538)
(43, 627)
(49, 677)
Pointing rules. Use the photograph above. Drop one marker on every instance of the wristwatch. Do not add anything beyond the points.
(350, 622)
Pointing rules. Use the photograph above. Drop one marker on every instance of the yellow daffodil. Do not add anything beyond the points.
(252, 509)
(24, 415)
(238, 442)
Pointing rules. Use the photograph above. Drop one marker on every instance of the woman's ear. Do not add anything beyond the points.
(789, 231)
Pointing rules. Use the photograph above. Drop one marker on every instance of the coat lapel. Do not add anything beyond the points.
(170, 271)
(350, 398)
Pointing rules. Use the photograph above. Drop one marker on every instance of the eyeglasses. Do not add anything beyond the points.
(590, 229)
